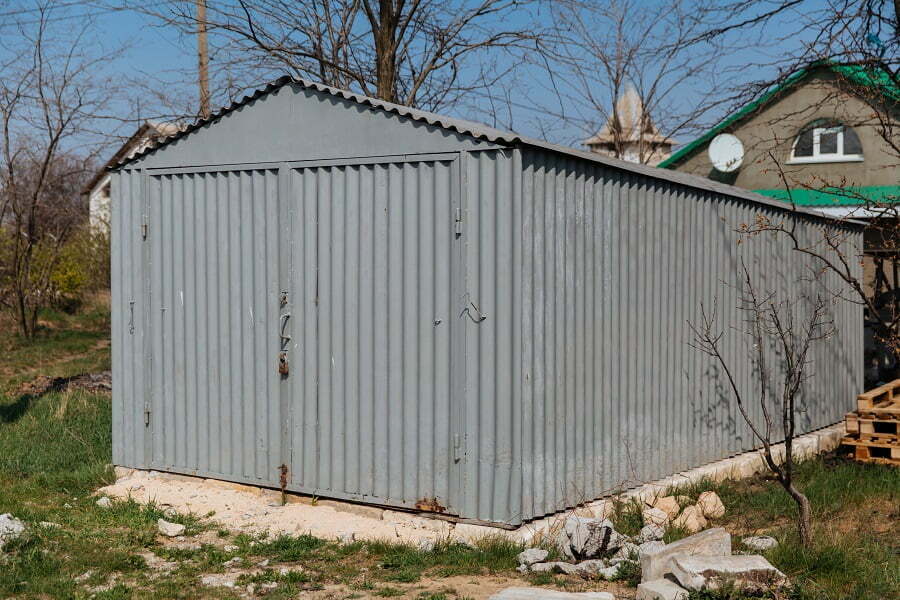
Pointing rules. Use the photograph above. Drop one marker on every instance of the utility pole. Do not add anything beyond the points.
(202, 59)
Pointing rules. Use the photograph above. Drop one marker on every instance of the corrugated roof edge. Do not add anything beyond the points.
(480, 131)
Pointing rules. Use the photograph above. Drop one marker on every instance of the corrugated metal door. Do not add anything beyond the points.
(377, 332)
(214, 266)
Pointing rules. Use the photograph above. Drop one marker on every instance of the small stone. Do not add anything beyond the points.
(10, 528)
(715, 541)
(233, 562)
(591, 568)
(698, 572)
(627, 550)
(230, 548)
(347, 538)
(609, 572)
(650, 533)
(263, 563)
(104, 502)
(425, 545)
(524, 593)
(655, 516)
(652, 546)
(169, 529)
(532, 555)
(84, 576)
(760, 543)
(691, 519)
(661, 589)
(49, 525)
(711, 505)
(667, 504)
(219, 580)
(555, 567)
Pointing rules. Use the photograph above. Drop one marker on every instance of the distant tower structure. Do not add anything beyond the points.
(629, 133)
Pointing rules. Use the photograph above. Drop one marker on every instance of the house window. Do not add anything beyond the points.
(823, 142)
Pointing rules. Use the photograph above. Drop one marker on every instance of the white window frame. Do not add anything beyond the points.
(816, 157)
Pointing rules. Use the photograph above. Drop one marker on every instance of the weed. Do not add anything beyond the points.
(629, 573)
(627, 516)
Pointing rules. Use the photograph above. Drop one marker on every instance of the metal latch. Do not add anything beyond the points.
(144, 227)
(458, 221)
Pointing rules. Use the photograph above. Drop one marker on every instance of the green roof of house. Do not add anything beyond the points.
(857, 74)
(836, 196)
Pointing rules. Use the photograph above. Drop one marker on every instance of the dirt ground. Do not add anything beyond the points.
(256, 510)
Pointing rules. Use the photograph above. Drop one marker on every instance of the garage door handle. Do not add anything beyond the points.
(284, 338)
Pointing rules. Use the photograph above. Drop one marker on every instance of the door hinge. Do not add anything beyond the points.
(146, 415)
(458, 224)
(456, 447)
(145, 227)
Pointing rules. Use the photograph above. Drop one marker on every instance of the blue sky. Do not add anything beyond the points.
(160, 55)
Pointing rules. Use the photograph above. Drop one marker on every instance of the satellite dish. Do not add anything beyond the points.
(726, 153)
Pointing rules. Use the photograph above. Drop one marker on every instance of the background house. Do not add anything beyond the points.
(98, 188)
(826, 138)
(630, 134)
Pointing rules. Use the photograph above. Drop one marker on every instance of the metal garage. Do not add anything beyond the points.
(369, 302)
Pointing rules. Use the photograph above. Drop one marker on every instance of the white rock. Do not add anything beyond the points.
(586, 538)
(609, 572)
(84, 576)
(660, 589)
(104, 502)
(263, 563)
(711, 505)
(219, 580)
(49, 525)
(555, 567)
(667, 504)
(347, 538)
(652, 546)
(233, 562)
(532, 555)
(591, 568)
(655, 516)
(697, 572)
(650, 533)
(523, 593)
(627, 550)
(230, 548)
(169, 529)
(715, 541)
(691, 519)
(10, 528)
(425, 545)
(760, 543)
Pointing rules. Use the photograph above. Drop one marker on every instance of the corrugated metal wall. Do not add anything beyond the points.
(129, 303)
(582, 380)
(214, 244)
(579, 380)
(373, 296)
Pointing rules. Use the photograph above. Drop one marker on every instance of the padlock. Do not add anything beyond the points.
(283, 366)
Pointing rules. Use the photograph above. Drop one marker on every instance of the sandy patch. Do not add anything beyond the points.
(256, 510)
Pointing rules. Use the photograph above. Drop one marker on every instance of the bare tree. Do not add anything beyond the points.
(421, 53)
(602, 49)
(50, 98)
(791, 326)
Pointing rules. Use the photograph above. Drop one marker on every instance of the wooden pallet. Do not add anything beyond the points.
(881, 447)
(881, 399)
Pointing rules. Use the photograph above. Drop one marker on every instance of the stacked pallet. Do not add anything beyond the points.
(873, 430)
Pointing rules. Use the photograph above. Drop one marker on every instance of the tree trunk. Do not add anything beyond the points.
(804, 526)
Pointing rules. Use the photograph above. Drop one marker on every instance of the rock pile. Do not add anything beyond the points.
(592, 549)
(681, 512)
(702, 561)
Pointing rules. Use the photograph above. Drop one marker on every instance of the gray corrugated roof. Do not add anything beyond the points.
(483, 132)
